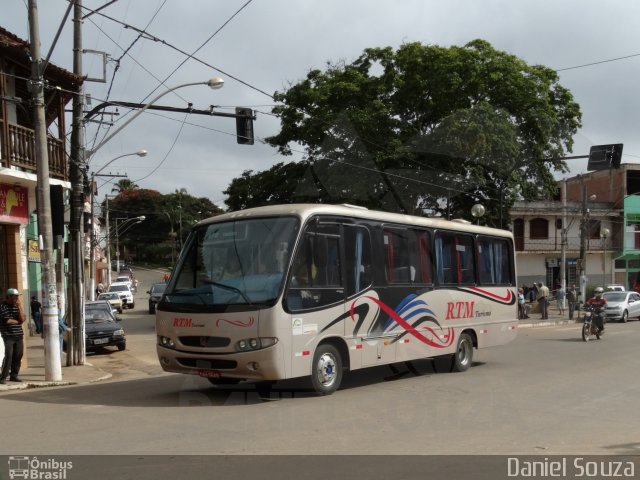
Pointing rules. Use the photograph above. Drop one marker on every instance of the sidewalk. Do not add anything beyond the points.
(555, 318)
(32, 371)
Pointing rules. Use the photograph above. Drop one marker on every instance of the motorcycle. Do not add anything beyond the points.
(593, 322)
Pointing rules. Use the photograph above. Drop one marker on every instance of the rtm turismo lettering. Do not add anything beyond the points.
(457, 310)
(182, 322)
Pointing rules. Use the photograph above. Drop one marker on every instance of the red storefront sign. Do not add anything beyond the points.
(14, 204)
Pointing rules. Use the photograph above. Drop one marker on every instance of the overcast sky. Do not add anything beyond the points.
(269, 44)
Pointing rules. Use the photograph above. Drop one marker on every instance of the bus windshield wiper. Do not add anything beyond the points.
(229, 287)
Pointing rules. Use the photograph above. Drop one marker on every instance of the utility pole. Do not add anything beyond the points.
(106, 221)
(563, 240)
(93, 241)
(583, 241)
(76, 176)
(52, 367)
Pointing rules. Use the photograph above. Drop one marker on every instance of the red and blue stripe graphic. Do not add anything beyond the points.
(509, 297)
(411, 313)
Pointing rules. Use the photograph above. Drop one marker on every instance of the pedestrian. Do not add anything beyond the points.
(165, 278)
(560, 296)
(572, 298)
(11, 320)
(62, 329)
(543, 300)
(36, 313)
(521, 308)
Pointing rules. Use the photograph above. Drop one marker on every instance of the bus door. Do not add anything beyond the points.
(315, 293)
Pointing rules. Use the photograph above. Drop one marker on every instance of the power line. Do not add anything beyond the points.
(598, 63)
(151, 37)
(199, 48)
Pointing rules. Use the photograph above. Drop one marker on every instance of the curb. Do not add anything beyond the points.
(26, 385)
(547, 323)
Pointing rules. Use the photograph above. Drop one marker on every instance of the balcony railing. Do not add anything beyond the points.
(573, 244)
(21, 151)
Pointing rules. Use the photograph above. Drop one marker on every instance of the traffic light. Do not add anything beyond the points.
(244, 126)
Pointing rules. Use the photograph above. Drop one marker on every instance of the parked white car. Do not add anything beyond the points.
(125, 293)
(614, 288)
(622, 305)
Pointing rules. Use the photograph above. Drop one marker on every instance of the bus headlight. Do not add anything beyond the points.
(247, 344)
(166, 342)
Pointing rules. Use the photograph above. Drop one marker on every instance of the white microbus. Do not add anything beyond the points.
(288, 291)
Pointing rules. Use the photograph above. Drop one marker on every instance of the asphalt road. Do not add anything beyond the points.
(545, 393)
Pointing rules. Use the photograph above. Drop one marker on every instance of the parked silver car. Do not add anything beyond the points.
(622, 305)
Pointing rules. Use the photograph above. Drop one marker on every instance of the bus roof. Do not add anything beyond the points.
(305, 210)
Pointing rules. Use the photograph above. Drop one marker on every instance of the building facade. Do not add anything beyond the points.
(19, 242)
(595, 217)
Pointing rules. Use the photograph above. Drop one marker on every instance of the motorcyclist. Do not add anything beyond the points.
(599, 302)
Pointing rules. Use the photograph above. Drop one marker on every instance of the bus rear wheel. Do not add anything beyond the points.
(464, 354)
(326, 370)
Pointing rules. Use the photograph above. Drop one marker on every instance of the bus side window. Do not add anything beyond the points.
(319, 257)
(399, 250)
(494, 262)
(455, 259)
(424, 257)
(358, 258)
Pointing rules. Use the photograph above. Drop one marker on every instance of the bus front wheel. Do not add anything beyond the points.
(326, 370)
(464, 354)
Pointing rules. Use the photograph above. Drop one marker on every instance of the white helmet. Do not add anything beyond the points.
(598, 290)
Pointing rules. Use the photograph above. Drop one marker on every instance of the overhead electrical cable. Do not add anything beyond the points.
(191, 55)
(151, 37)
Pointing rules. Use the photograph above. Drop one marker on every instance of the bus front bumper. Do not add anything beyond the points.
(264, 364)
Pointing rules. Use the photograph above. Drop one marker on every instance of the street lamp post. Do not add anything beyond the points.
(92, 268)
(584, 233)
(604, 234)
(172, 235)
(180, 226)
(131, 222)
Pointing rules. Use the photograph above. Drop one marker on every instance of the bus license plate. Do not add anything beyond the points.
(209, 373)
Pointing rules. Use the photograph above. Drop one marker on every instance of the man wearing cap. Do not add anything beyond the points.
(11, 320)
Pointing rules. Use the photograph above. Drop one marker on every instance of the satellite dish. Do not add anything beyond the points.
(477, 210)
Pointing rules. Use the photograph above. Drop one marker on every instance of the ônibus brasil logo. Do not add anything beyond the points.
(38, 469)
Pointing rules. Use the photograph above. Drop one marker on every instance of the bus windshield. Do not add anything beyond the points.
(239, 262)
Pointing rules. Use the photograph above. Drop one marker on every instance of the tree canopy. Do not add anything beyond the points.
(168, 219)
(420, 129)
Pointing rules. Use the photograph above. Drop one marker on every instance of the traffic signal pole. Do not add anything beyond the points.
(76, 350)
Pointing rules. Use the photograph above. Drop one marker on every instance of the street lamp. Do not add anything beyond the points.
(477, 211)
(131, 222)
(213, 83)
(604, 234)
(92, 268)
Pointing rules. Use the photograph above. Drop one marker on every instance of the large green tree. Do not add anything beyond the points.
(167, 217)
(425, 129)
